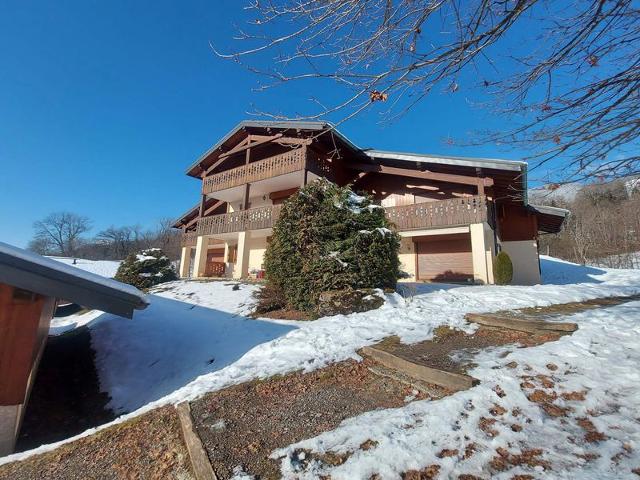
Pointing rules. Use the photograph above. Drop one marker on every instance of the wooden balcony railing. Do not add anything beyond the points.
(287, 162)
(189, 239)
(251, 219)
(443, 213)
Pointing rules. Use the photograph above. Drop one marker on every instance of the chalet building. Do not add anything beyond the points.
(454, 214)
(30, 287)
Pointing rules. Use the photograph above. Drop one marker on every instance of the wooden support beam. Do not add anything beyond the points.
(251, 143)
(450, 380)
(247, 187)
(511, 323)
(283, 193)
(203, 200)
(202, 468)
(437, 177)
(285, 140)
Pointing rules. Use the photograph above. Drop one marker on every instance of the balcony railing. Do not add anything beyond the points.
(189, 239)
(443, 213)
(287, 162)
(251, 219)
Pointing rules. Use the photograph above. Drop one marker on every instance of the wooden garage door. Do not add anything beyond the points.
(445, 258)
(215, 262)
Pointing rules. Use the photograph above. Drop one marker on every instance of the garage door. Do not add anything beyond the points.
(445, 258)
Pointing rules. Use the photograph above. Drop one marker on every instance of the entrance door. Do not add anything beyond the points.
(215, 262)
(444, 258)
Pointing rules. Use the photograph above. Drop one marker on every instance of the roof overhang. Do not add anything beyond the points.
(550, 219)
(29, 271)
(310, 126)
(510, 165)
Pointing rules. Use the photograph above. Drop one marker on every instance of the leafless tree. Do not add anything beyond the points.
(603, 228)
(565, 74)
(63, 230)
(41, 246)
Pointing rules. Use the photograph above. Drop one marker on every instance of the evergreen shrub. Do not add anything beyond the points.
(329, 238)
(146, 269)
(503, 269)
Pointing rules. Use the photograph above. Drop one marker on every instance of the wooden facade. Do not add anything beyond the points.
(248, 175)
(444, 213)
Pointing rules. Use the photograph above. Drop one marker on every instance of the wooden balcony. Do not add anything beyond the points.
(288, 162)
(443, 213)
(251, 219)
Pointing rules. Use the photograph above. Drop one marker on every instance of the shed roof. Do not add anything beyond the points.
(38, 274)
(550, 219)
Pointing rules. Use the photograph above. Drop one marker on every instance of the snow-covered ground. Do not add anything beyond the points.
(106, 268)
(601, 359)
(195, 338)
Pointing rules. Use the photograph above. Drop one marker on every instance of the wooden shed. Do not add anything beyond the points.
(30, 287)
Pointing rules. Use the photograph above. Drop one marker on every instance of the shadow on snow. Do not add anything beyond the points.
(168, 345)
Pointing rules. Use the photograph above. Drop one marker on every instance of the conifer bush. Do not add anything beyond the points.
(503, 269)
(146, 269)
(328, 238)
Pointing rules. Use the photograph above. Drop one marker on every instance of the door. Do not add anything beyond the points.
(215, 262)
(444, 258)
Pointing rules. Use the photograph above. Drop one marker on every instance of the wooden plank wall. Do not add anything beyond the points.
(24, 325)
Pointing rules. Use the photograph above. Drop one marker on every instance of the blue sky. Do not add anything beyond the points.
(104, 104)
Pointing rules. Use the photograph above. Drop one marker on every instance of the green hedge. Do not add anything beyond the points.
(503, 269)
(329, 238)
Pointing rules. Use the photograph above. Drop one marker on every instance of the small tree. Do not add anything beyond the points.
(329, 238)
(146, 269)
(503, 269)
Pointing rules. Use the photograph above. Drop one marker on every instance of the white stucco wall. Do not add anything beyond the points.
(482, 251)
(257, 247)
(524, 257)
(407, 257)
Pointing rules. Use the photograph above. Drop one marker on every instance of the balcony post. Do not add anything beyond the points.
(482, 251)
(241, 269)
(247, 187)
(185, 261)
(200, 261)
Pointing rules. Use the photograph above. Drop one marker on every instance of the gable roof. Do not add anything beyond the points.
(33, 272)
(313, 126)
(506, 172)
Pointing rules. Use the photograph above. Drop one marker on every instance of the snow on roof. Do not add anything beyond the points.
(513, 165)
(45, 276)
(559, 212)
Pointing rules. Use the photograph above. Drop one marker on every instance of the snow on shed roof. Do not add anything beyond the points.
(558, 212)
(45, 276)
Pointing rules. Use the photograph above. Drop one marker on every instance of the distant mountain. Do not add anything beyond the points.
(554, 192)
